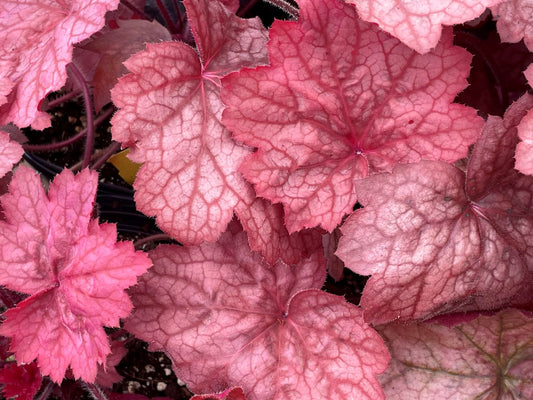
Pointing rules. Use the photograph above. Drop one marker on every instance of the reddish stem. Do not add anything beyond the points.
(170, 24)
(105, 154)
(285, 7)
(243, 11)
(61, 99)
(95, 391)
(136, 10)
(54, 146)
(89, 111)
(158, 236)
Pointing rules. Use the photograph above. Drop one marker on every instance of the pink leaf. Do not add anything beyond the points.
(487, 358)
(437, 240)
(107, 374)
(22, 381)
(226, 318)
(229, 394)
(418, 24)
(72, 268)
(115, 47)
(264, 223)
(524, 149)
(339, 101)
(515, 21)
(37, 38)
(170, 117)
(10, 153)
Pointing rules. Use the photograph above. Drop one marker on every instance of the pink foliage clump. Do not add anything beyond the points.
(71, 267)
(418, 24)
(341, 100)
(226, 318)
(486, 358)
(36, 41)
(439, 239)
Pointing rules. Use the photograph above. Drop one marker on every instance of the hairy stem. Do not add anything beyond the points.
(164, 12)
(95, 391)
(285, 6)
(89, 111)
(104, 155)
(61, 99)
(46, 391)
(158, 236)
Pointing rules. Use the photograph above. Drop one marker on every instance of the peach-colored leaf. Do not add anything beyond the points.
(170, 117)
(515, 21)
(418, 24)
(436, 239)
(490, 357)
(36, 38)
(227, 318)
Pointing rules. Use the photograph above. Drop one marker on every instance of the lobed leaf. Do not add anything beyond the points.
(36, 39)
(227, 318)
(490, 357)
(339, 101)
(418, 24)
(436, 239)
(10, 153)
(515, 21)
(72, 268)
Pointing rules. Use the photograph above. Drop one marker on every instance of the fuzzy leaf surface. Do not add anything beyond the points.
(436, 239)
(229, 394)
(169, 115)
(72, 268)
(339, 101)
(515, 21)
(418, 24)
(22, 381)
(10, 153)
(36, 38)
(524, 149)
(227, 318)
(490, 357)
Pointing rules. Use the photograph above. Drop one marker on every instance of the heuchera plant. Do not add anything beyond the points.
(270, 155)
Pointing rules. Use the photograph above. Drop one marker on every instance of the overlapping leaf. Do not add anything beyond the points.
(36, 39)
(227, 319)
(10, 153)
(490, 357)
(72, 268)
(418, 24)
(436, 239)
(229, 394)
(169, 116)
(341, 100)
(515, 21)
(524, 149)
